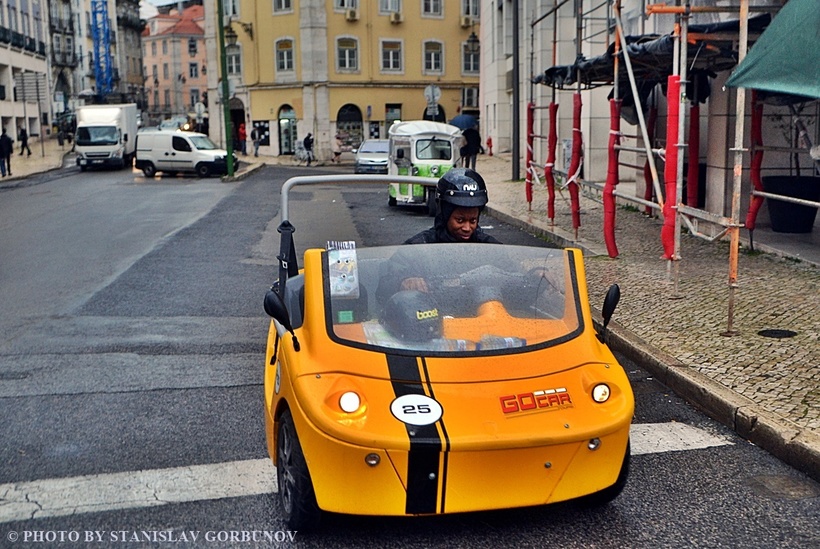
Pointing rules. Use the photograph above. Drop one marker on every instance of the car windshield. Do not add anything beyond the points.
(433, 149)
(202, 142)
(98, 135)
(375, 147)
(451, 298)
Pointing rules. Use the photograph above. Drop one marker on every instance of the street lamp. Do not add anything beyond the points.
(223, 62)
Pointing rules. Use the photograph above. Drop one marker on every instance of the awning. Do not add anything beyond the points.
(786, 57)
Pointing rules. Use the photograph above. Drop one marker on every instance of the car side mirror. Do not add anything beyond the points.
(276, 309)
(613, 296)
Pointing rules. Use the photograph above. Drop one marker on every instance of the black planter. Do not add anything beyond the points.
(785, 216)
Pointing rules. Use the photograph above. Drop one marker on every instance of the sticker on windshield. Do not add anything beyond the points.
(416, 409)
(343, 267)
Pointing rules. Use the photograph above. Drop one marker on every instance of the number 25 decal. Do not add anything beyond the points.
(416, 409)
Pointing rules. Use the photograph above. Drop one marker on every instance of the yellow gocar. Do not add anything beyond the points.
(489, 389)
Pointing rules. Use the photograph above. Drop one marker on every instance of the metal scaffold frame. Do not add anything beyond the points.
(676, 210)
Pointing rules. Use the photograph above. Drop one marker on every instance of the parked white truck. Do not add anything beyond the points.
(106, 135)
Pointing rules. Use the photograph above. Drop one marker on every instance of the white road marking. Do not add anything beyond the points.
(135, 489)
(656, 438)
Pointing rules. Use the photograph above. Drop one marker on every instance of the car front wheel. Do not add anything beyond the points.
(203, 170)
(149, 170)
(297, 500)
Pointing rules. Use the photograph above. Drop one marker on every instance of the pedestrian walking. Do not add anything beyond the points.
(336, 147)
(256, 138)
(6, 150)
(24, 142)
(471, 147)
(308, 143)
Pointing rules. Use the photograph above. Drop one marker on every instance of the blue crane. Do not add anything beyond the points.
(101, 36)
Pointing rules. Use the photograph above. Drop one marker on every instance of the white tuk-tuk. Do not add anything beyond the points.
(425, 149)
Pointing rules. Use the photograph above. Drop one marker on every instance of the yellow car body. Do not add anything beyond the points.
(497, 410)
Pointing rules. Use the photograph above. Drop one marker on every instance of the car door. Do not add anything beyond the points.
(162, 153)
(182, 153)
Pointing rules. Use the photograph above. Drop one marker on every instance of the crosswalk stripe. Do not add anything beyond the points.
(149, 488)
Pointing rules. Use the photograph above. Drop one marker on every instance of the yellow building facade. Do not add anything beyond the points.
(347, 67)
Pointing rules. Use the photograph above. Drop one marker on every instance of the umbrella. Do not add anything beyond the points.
(464, 121)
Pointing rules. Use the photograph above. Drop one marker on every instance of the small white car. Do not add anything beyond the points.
(173, 152)
(371, 156)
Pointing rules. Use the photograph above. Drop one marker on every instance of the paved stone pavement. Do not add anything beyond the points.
(766, 389)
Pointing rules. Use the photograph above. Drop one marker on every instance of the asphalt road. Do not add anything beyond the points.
(132, 357)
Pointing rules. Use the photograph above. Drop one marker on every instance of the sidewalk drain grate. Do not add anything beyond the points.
(777, 334)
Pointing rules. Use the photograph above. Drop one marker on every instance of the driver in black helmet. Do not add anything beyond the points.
(461, 195)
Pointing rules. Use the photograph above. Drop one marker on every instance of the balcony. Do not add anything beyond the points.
(63, 59)
(131, 21)
(64, 26)
(31, 43)
(17, 40)
(5, 35)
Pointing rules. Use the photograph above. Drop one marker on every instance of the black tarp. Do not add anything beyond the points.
(711, 49)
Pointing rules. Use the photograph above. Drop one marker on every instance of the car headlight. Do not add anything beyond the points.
(350, 402)
(415, 170)
(601, 393)
(434, 170)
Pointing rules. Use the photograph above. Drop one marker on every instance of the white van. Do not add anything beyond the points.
(171, 152)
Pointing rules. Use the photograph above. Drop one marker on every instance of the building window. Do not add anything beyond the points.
(347, 54)
(391, 56)
(433, 57)
(392, 113)
(282, 5)
(231, 8)
(233, 55)
(284, 55)
(345, 4)
(389, 6)
(165, 47)
(165, 71)
(57, 43)
(154, 49)
(471, 8)
(469, 97)
(194, 96)
(192, 47)
(167, 98)
(432, 7)
(193, 70)
(470, 60)
(156, 99)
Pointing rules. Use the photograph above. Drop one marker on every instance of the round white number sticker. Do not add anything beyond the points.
(416, 409)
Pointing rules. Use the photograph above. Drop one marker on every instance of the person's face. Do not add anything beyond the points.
(463, 222)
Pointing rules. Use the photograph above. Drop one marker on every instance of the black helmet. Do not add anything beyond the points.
(462, 187)
(412, 315)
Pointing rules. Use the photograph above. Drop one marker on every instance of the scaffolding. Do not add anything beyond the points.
(681, 61)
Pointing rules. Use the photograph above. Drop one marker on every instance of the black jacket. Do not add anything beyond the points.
(6, 145)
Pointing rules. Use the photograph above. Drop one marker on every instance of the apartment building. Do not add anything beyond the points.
(175, 67)
(24, 78)
(346, 67)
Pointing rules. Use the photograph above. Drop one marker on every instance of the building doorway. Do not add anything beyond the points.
(349, 126)
(287, 130)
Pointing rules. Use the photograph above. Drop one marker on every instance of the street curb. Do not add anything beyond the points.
(785, 440)
(242, 174)
(798, 447)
